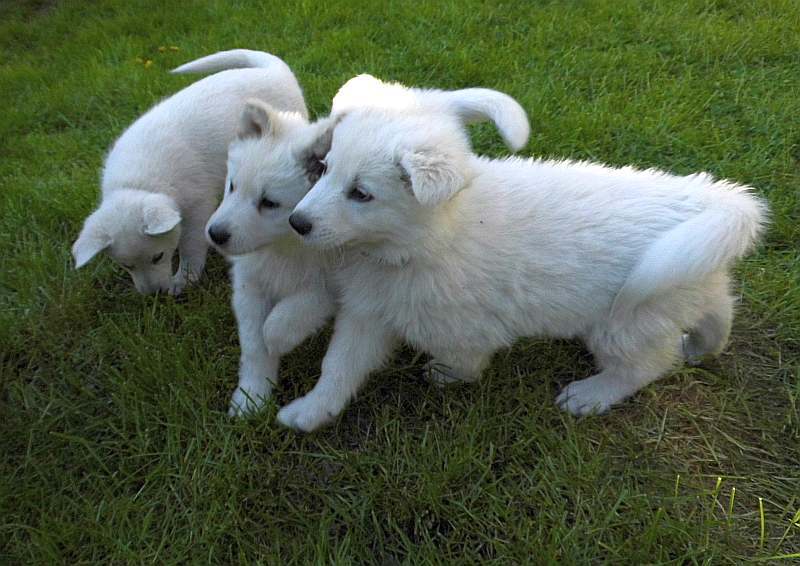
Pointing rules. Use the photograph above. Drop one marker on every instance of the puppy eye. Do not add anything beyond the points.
(157, 258)
(266, 203)
(231, 188)
(359, 195)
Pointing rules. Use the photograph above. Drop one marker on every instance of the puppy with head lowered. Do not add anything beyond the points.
(461, 255)
(281, 288)
(162, 178)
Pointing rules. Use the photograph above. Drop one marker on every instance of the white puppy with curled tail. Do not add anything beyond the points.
(163, 177)
(460, 256)
(282, 289)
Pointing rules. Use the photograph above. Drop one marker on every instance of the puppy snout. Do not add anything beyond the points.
(300, 223)
(218, 234)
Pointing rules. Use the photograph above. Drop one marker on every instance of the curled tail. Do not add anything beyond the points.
(469, 104)
(695, 248)
(232, 59)
(483, 104)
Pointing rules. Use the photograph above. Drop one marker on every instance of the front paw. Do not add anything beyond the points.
(177, 285)
(307, 413)
(246, 402)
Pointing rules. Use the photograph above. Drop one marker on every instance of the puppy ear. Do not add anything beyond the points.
(316, 146)
(259, 119)
(486, 105)
(92, 240)
(159, 219)
(435, 177)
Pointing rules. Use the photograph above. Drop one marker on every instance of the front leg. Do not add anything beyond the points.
(192, 250)
(294, 319)
(257, 369)
(358, 347)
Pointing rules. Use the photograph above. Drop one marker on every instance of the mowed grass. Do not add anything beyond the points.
(114, 443)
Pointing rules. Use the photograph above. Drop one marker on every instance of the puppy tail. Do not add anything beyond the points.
(232, 59)
(469, 104)
(695, 248)
(483, 104)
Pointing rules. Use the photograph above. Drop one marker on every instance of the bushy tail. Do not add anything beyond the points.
(232, 59)
(469, 104)
(695, 248)
(483, 104)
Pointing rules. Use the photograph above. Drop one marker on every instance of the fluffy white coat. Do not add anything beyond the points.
(460, 255)
(282, 289)
(163, 176)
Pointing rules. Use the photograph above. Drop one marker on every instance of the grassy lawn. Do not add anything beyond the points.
(114, 444)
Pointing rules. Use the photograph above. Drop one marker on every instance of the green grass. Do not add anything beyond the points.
(114, 445)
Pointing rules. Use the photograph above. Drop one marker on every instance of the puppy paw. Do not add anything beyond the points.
(306, 414)
(593, 395)
(247, 402)
(692, 352)
(177, 285)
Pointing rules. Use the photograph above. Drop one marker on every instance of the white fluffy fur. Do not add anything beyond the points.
(461, 255)
(280, 294)
(282, 291)
(163, 177)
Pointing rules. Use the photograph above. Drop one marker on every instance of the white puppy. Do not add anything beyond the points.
(461, 255)
(162, 178)
(280, 295)
(281, 288)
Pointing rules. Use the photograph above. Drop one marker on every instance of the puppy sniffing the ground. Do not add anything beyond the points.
(282, 290)
(460, 255)
(162, 178)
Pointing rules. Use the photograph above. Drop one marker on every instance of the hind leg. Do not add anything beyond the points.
(629, 357)
(619, 379)
(710, 334)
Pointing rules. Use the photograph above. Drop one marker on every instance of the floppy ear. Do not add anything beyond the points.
(435, 177)
(159, 219)
(259, 119)
(91, 241)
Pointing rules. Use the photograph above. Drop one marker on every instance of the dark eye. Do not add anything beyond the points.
(157, 258)
(231, 188)
(359, 195)
(266, 203)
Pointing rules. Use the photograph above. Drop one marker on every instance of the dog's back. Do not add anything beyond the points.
(185, 137)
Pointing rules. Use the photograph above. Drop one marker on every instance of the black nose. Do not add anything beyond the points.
(300, 223)
(218, 235)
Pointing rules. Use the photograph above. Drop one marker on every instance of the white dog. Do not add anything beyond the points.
(163, 177)
(280, 294)
(281, 288)
(461, 255)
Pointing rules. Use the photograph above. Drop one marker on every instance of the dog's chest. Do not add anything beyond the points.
(278, 276)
